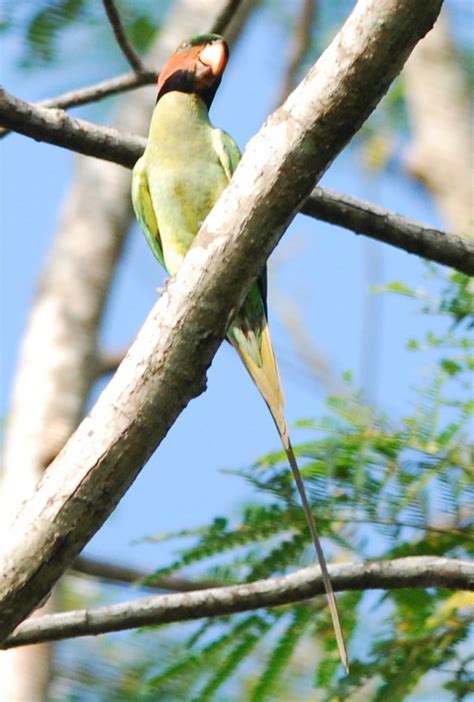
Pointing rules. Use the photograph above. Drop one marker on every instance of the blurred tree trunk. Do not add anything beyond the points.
(59, 356)
(439, 109)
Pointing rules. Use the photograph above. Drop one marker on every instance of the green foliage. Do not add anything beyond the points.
(299, 621)
(458, 299)
(43, 27)
(380, 488)
(46, 23)
(39, 26)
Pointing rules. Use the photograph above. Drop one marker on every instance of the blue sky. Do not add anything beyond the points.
(323, 270)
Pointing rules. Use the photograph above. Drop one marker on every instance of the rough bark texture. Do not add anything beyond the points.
(166, 366)
(56, 127)
(417, 571)
(58, 358)
(441, 119)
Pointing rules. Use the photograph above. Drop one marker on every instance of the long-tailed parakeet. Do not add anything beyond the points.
(186, 165)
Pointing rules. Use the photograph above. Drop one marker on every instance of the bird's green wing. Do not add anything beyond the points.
(245, 332)
(144, 212)
(229, 155)
(227, 151)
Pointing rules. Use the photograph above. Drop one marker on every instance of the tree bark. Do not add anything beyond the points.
(413, 572)
(441, 120)
(166, 365)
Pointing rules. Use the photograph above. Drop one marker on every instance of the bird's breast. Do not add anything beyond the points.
(183, 190)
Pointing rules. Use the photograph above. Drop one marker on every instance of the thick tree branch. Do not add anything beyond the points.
(391, 228)
(166, 366)
(107, 143)
(93, 93)
(56, 127)
(413, 572)
(329, 206)
(126, 48)
(439, 109)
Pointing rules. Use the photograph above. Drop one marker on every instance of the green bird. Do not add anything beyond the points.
(186, 165)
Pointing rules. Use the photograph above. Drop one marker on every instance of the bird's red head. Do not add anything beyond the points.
(196, 67)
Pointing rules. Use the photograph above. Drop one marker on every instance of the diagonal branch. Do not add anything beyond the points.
(126, 48)
(98, 91)
(166, 366)
(413, 572)
(391, 228)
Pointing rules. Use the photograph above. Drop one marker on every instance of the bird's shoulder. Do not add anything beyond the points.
(227, 151)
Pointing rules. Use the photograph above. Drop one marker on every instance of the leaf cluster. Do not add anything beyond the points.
(42, 28)
(380, 488)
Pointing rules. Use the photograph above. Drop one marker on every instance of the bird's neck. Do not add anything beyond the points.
(177, 115)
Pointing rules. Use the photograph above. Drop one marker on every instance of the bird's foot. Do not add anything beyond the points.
(162, 288)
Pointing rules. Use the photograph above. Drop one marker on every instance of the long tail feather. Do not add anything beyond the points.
(267, 380)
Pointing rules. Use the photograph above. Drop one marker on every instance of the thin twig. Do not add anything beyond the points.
(98, 91)
(413, 572)
(108, 361)
(300, 42)
(233, 29)
(126, 48)
(225, 17)
(119, 573)
(92, 93)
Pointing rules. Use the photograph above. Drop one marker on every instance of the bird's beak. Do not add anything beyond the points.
(214, 56)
